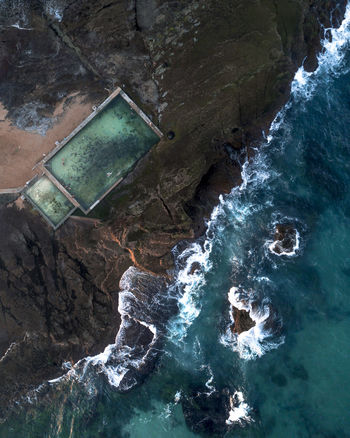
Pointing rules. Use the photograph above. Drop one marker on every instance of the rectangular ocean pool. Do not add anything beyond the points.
(48, 199)
(102, 152)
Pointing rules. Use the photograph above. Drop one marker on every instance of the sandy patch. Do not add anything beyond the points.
(19, 202)
(22, 150)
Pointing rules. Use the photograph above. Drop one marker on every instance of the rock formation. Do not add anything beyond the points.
(212, 72)
(242, 320)
(285, 239)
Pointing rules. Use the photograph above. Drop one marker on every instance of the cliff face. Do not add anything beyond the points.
(213, 72)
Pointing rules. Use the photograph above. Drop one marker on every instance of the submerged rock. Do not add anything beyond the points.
(207, 414)
(214, 414)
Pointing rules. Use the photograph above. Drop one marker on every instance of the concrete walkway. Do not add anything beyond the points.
(7, 191)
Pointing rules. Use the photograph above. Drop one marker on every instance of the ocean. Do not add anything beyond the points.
(289, 375)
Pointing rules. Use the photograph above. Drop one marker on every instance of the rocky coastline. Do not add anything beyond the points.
(214, 73)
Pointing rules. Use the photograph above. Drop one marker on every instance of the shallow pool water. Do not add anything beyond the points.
(47, 198)
(102, 152)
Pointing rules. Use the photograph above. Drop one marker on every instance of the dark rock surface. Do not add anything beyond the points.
(207, 413)
(214, 73)
(145, 307)
(57, 298)
(285, 238)
(242, 320)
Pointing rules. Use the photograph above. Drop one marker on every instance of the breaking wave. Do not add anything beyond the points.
(239, 410)
(144, 306)
(192, 264)
(331, 60)
(123, 363)
(287, 239)
(195, 261)
(263, 336)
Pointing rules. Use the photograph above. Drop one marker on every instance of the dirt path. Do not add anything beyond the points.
(21, 150)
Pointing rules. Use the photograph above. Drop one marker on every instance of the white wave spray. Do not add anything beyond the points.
(239, 410)
(259, 339)
(330, 60)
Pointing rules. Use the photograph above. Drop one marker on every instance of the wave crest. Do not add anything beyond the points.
(263, 336)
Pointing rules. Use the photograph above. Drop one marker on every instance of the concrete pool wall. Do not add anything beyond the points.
(45, 197)
(95, 157)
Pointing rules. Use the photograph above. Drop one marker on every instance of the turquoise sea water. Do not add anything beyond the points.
(290, 382)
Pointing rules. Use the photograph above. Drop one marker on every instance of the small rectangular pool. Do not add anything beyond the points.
(100, 153)
(48, 199)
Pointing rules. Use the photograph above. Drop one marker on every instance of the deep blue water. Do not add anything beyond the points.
(294, 382)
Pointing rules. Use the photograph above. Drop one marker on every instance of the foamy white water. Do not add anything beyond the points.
(239, 412)
(257, 340)
(193, 263)
(273, 246)
(330, 60)
(119, 361)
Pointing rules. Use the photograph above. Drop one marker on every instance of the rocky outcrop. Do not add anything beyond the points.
(214, 73)
(242, 320)
(145, 306)
(285, 239)
(58, 298)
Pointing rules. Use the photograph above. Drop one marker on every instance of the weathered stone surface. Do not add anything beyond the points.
(285, 238)
(214, 73)
(242, 320)
(56, 297)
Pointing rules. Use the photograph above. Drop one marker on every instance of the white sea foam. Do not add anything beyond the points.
(254, 174)
(18, 26)
(334, 48)
(12, 347)
(209, 382)
(119, 358)
(239, 412)
(302, 84)
(257, 340)
(189, 281)
(234, 208)
(114, 371)
(177, 397)
(272, 246)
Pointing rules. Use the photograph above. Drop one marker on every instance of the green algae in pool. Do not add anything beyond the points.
(49, 200)
(102, 152)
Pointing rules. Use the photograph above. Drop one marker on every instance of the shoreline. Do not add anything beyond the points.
(142, 234)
